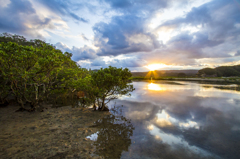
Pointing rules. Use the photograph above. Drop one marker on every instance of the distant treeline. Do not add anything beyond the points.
(222, 71)
(166, 73)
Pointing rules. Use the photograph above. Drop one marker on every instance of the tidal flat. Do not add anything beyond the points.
(54, 133)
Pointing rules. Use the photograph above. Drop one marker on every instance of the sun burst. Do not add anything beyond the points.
(153, 67)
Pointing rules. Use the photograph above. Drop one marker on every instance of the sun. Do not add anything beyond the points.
(153, 67)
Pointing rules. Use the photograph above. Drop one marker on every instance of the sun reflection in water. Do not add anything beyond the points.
(154, 87)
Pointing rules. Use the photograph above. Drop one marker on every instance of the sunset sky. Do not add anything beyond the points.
(173, 34)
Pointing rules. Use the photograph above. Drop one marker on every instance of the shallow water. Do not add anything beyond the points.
(167, 120)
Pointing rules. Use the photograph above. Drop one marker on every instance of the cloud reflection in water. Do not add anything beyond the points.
(177, 122)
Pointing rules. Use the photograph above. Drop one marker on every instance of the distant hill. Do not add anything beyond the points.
(163, 73)
(222, 71)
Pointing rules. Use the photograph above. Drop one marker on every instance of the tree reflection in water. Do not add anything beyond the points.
(113, 136)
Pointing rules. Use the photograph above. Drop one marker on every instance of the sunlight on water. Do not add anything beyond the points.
(93, 137)
(182, 119)
(155, 87)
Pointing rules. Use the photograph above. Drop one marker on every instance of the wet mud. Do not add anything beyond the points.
(54, 133)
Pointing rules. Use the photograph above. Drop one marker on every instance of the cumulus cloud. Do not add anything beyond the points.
(217, 22)
(63, 47)
(125, 34)
(20, 17)
(119, 62)
(210, 30)
(83, 53)
(216, 34)
(133, 62)
(128, 32)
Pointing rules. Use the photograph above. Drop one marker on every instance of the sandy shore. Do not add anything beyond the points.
(54, 133)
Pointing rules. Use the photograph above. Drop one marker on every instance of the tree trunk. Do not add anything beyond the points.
(20, 102)
(36, 91)
(99, 106)
(103, 103)
(44, 88)
(4, 103)
(104, 108)
(94, 106)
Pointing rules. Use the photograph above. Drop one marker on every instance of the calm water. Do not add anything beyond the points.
(171, 120)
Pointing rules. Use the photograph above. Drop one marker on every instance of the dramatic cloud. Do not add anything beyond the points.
(204, 32)
(83, 53)
(125, 34)
(131, 33)
(217, 23)
(20, 17)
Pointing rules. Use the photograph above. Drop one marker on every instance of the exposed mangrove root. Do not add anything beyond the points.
(6, 103)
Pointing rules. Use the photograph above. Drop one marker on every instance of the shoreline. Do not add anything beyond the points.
(226, 80)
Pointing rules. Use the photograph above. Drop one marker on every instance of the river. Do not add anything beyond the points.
(171, 120)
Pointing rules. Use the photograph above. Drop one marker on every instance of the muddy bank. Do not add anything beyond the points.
(54, 133)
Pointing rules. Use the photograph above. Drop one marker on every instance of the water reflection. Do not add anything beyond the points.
(154, 87)
(183, 121)
(113, 136)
